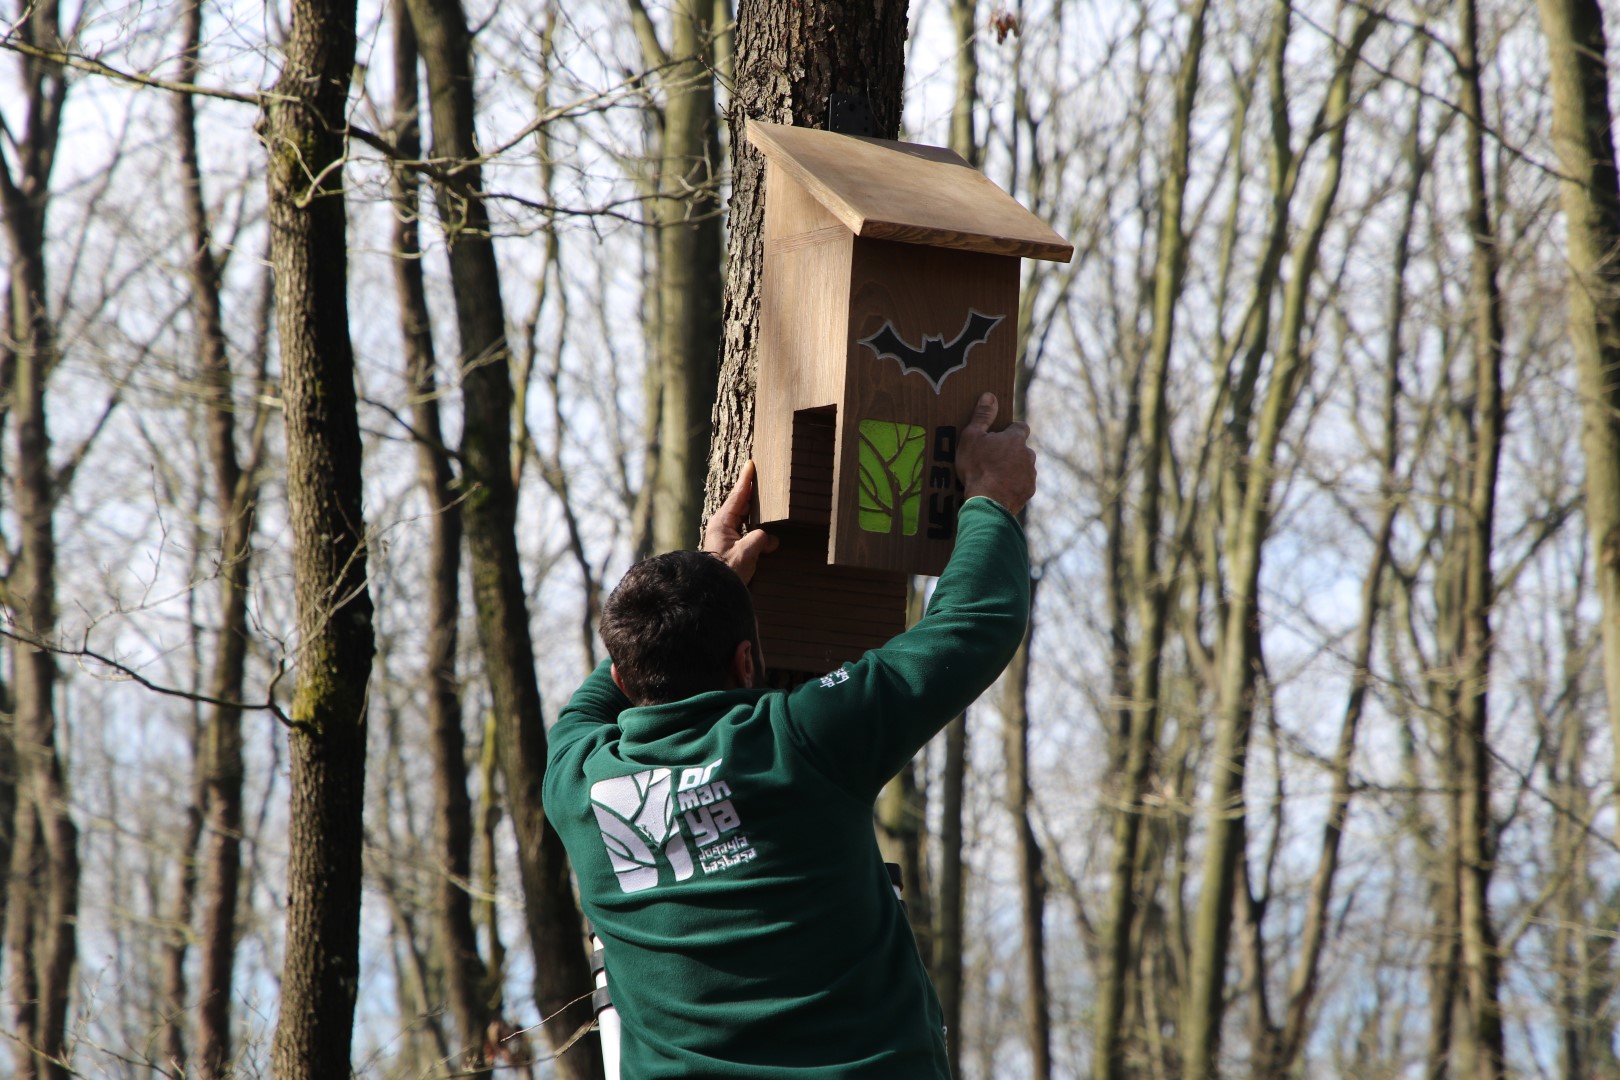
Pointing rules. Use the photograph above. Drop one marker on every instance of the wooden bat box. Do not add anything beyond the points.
(889, 303)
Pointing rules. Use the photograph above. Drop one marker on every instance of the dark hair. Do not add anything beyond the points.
(673, 624)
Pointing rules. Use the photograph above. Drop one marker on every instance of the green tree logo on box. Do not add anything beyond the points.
(891, 458)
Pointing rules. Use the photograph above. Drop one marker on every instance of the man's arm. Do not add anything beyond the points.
(861, 724)
(597, 703)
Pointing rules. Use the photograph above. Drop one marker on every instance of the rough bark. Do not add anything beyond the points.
(789, 59)
(556, 936)
(43, 889)
(464, 971)
(303, 131)
(1590, 186)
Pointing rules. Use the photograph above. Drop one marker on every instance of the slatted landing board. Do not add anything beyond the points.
(812, 616)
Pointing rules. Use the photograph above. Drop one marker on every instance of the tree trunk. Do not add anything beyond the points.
(235, 495)
(43, 904)
(949, 899)
(43, 887)
(1108, 1062)
(8, 746)
(687, 217)
(1590, 186)
(1583, 948)
(901, 817)
(1481, 961)
(175, 1008)
(1302, 981)
(303, 127)
(464, 971)
(8, 753)
(1250, 488)
(902, 830)
(965, 25)
(789, 59)
(1028, 857)
(562, 975)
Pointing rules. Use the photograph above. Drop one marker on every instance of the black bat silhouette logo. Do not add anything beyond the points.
(936, 359)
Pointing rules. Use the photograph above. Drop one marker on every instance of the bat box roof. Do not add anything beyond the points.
(888, 305)
(886, 190)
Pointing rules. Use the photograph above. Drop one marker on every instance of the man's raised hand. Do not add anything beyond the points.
(724, 535)
(999, 465)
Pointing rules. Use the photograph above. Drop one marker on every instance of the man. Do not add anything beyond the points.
(722, 833)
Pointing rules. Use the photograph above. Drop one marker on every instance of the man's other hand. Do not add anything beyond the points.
(724, 534)
(998, 464)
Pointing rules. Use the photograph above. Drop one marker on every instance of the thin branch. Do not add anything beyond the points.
(84, 652)
(442, 168)
(97, 67)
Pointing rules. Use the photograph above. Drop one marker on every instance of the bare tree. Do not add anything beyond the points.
(1476, 838)
(42, 893)
(1249, 493)
(303, 127)
(1590, 186)
(1287, 1045)
(946, 966)
(216, 818)
(466, 977)
(1152, 590)
(562, 976)
(686, 217)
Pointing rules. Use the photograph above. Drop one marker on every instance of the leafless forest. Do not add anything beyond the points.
(1307, 768)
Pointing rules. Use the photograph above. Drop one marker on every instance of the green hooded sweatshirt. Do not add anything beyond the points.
(725, 851)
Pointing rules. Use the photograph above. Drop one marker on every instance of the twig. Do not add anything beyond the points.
(133, 675)
(97, 67)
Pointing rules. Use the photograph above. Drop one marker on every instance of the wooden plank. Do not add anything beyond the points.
(803, 323)
(813, 616)
(827, 597)
(886, 190)
(852, 642)
(813, 657)
(807, 239)
(838, 588)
